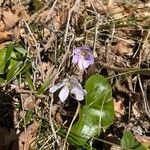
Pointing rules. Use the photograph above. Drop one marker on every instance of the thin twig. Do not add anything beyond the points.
(37, 45)
(24, 121)
(144, 94)
(145, 71)
(35, 15)
(51, 121)
(50, 11)
(68, 19)
(69, 129)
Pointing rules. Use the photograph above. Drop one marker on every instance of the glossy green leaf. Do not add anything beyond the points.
(98, 91)
(98, 111)
(128, 142)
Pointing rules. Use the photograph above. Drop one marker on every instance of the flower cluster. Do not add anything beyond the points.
(84, 58)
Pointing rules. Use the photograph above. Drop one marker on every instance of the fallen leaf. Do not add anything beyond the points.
(9, 19)
(59, 118)
(122, 48)
(2, 26)
(145, 140)
(5, 36)
(118, 11)
(27, 137)
(21, 12)
(29, 102)
(119, 108)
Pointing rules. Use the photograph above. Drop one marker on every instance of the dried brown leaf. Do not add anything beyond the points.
(145, 140)
(10, 19)
(119, 108)
(2, 25)
(119, 11)
(59, 118)
(21, 12)
(122, 48)
(28, 137)
(5, 36)
(29, 103)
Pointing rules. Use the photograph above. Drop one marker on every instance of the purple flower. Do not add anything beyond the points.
(83, 57)
(70, 85)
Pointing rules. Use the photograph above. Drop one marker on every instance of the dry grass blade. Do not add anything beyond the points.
(69, 129)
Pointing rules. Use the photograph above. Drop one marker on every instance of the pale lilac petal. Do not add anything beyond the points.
(91, 60)
(80, 63)
(86, 64)
(75, 59)
(77, 50)
(56, 87)
(79, 94)
(64, 93)
(75, 82)
(89, 56)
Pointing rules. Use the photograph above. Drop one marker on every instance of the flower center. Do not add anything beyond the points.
(68, 84)
(84, 53)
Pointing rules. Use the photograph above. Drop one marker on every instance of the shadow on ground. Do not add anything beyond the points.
(8, 136)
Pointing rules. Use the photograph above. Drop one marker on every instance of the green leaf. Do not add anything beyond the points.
(128, 142)
(6, 61)
(29, 116)
(13, 71)
(29, 81)
(10, 48)
(2, 60)
(13, 61)
(44, 86)
(2, 81)
(26, 66)
(98, 91)
(21, 50)
(98, 111)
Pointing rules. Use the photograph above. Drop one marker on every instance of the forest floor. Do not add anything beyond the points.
(37, 39)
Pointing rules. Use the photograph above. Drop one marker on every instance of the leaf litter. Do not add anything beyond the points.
(118, 33)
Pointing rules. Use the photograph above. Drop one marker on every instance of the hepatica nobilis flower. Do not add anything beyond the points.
(83, 57)
(69, 85)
